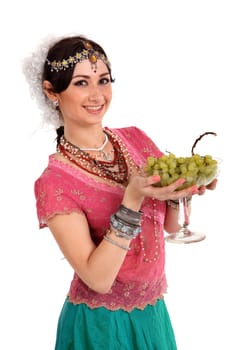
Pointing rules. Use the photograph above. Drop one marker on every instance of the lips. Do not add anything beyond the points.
(94, 108)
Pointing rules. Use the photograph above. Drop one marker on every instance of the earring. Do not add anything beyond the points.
(55, 104)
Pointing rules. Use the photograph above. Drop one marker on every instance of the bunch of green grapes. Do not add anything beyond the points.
(196, 169)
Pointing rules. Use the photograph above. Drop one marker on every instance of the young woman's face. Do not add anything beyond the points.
(88, 95)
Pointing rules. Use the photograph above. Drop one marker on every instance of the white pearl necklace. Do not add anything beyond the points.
(98, 149)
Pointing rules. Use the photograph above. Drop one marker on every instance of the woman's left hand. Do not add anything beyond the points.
(211, 186)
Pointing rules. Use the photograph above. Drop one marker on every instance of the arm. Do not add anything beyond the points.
(99, 265)
(96, 266)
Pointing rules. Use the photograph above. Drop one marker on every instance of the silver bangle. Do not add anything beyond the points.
(174, 203)
(128, 216)
(108, 239)
(123, 234)
(128, 230)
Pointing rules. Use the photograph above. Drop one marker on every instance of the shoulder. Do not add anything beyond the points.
(131, 133)
(50, 177)
(138, 139)
(128, 130)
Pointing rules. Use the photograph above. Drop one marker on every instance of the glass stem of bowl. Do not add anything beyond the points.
(183, 215)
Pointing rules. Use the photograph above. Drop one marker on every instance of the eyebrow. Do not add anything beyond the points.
(88, 76)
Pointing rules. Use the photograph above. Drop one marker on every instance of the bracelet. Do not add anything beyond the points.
(108, 239)
(174, 203)
(128, 231)
(129, 216)
(123, 234)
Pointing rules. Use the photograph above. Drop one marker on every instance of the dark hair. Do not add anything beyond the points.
(60, 80)
(60, 133)
(63, 49)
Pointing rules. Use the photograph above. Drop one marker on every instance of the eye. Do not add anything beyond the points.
(104, 81)
(81, 83)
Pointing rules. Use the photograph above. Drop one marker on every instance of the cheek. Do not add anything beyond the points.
(69, 104)
(75, 100)
(109, 95)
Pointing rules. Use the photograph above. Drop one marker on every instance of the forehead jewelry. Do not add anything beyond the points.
(87, 53)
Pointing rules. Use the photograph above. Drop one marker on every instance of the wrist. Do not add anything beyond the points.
(132, 204)
(126, 222)
(174, 203)
(120, 242)
(132, 200)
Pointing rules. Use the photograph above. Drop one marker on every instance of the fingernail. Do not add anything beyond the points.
(194, 189)
(156, 178)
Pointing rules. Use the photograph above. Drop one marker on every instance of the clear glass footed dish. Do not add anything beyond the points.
(196, 170)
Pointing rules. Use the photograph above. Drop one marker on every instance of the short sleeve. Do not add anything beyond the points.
(53, 196)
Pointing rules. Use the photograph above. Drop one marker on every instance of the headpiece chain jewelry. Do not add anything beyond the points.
(87, 53)
(33, 67)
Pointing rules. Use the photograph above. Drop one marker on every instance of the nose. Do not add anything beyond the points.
(95, 93)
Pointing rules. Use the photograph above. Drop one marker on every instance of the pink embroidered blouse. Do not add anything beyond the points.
(62, 188)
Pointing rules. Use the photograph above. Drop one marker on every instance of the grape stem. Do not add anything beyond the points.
(200, 137)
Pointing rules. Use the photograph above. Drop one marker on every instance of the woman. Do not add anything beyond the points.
(104, 213)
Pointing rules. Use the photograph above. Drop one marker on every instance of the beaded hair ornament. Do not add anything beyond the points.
(33, 66)
(87, 53)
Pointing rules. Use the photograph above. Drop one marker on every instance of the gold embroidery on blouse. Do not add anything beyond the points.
(58, 193)
(42, 198)
(78, 193)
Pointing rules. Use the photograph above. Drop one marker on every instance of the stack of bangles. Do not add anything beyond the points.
(125, 223)
(175, 203)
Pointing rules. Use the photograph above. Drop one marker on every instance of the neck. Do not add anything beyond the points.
(85, 138)
(96, 149)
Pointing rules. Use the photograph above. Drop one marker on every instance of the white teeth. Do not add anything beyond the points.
(93, 108)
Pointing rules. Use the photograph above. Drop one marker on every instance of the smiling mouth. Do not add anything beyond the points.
(93, 108)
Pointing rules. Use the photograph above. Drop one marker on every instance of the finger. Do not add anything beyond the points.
(212, 185)
(187, 192)
(176, 184)
(150, 180)
(201, 190)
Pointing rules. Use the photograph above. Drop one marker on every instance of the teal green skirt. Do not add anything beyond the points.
(82, 328)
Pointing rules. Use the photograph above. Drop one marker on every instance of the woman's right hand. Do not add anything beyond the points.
(140, 187)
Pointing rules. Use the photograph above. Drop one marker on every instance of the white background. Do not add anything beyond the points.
(172, 61)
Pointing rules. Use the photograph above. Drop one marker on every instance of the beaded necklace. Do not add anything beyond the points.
(115, 170)
(98, 149)
(103, 169)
